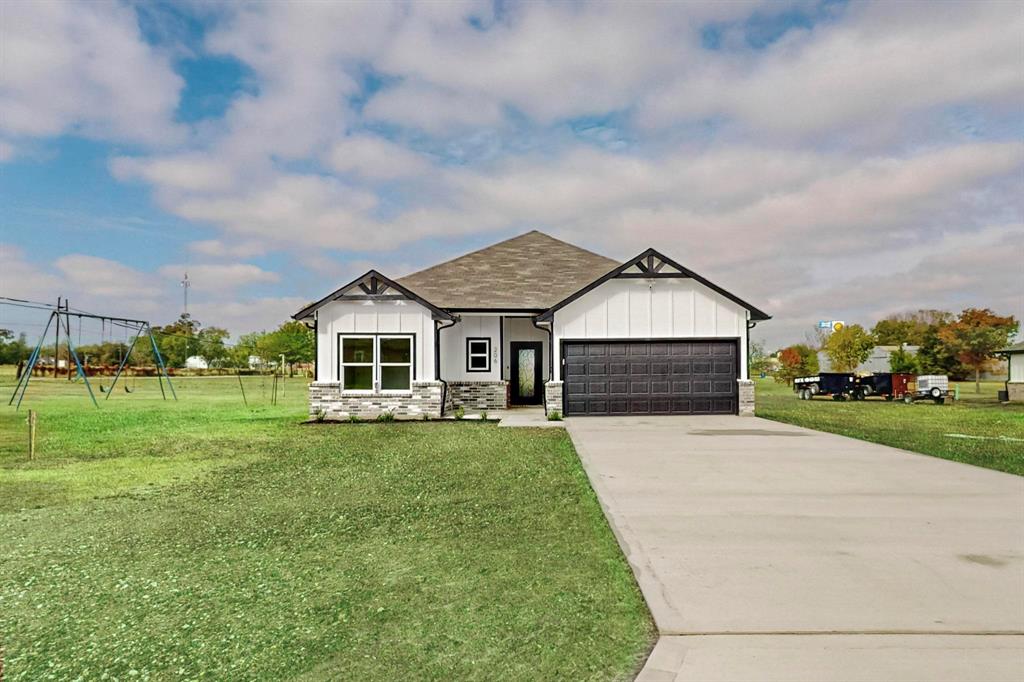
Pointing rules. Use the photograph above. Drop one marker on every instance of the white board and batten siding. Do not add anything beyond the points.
(666, 308)
(453, 347)
(374, 317)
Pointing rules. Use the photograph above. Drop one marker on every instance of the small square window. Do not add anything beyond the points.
(478, 355)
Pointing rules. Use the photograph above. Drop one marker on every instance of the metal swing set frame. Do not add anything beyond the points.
(61, 317)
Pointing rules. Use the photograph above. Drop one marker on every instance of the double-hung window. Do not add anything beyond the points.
(478, 355)
(373, 363)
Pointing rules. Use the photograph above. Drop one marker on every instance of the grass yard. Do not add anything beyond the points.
(994, 433)
(204, 539)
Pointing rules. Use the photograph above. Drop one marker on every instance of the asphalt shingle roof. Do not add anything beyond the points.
(532, 271)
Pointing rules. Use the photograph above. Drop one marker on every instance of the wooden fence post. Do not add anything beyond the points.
(31, 434)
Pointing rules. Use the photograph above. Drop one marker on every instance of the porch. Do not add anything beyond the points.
(493, 362)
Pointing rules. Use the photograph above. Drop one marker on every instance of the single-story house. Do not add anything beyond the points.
(533, 320)
(1014, 371)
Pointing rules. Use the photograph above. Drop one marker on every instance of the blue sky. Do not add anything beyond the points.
(824, 160)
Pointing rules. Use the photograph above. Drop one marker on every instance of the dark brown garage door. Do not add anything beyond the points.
(650, 377)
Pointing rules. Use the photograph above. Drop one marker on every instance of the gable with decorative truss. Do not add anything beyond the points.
(372, 286)
(653, 265)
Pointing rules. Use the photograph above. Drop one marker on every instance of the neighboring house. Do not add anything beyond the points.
(528, 321)
(878, 361)
(1014, 371)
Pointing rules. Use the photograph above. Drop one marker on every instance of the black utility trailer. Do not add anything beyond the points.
(839, 385)
(886, 385)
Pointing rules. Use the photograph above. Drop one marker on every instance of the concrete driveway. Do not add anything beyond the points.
(767, 551)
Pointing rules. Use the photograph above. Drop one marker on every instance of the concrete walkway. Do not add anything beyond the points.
(770, 552)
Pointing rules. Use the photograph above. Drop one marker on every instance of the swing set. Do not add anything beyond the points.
(62, 319)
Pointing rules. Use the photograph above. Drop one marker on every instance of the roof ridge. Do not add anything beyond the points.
(575, 246)
(495, 244)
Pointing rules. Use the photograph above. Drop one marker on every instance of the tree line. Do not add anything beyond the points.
(184, 338)
(956, 345)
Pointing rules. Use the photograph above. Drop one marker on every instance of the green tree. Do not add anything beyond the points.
(848, 347)
(901, 361)
(177, 342)
(908, 328)
(13, 350)
(248, 345)
(975, 336)
(760, 361)
(796, 361)
(210, 346)
(294, 340)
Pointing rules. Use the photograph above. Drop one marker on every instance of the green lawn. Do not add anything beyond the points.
(204, 539)
(995, 432)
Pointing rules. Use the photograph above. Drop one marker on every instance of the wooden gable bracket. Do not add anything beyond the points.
(651, 266)
(374, 287)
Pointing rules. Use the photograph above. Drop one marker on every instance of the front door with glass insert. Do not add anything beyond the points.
(526, 380)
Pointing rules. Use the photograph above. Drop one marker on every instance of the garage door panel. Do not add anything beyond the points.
(658, 377)
(639, 387)
(702, 406)
(575, 369)
(682, 406)
(659, 368)
(639, 406)
(661, 387)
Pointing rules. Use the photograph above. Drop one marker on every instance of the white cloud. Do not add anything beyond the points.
(433, 109)
(245, 315)
(193, 172)
(83, 68)
(219, 278)
(547, 60)
(375, 157)
(108, 287)
(216, 248)
(94, 276)
(21, 279)
(981, 269)
(883, 60)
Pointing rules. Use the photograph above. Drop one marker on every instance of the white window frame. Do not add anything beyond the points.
(380, 363)
(486, 354)
(376, 364)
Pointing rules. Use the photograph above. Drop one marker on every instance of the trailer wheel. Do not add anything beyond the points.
(814, 390)
(936, 392)
(805, 394)
(908, 399)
